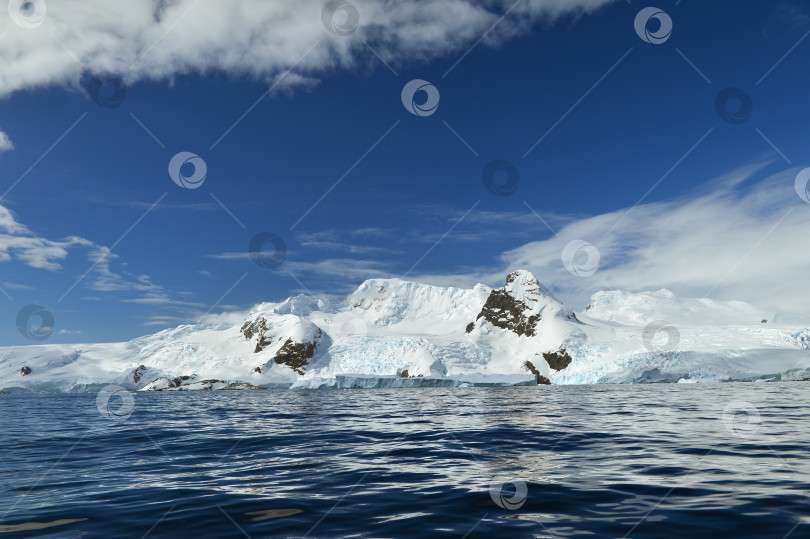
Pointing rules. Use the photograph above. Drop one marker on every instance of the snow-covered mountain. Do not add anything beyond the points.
(397, 333)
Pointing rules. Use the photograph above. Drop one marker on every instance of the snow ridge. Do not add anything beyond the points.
(395, 333)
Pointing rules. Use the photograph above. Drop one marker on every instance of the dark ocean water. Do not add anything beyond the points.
(599, 461)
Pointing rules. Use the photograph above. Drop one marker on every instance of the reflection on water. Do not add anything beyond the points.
(648, 461)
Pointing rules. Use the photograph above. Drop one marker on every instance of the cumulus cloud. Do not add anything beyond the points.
(158, 39)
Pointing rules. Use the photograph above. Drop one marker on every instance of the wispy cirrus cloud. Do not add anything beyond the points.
(333, 241)
(737, 238)
(19, 243)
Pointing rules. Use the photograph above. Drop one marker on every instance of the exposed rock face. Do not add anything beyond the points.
(541, 380)
(257, 328)
(177, 382)
(159, 384)
(520, 305)
(296, 354)
(137, 374)
(164, 384)
(25, 371)
(507, 307)
(557, 360)
(240, 386)
(503, 311)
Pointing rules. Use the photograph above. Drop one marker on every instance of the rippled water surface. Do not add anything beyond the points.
(598, 461)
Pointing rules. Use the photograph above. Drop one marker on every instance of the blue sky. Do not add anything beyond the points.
(616, 115)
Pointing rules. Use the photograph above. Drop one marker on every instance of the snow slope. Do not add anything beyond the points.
(394, 333)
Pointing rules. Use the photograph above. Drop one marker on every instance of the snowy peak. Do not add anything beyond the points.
(406, 334)
(522, 286)
(520, 305)
(387, 302)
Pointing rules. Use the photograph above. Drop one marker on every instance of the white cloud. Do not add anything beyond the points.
(16, 286)
(340, 269)
(231, 256)
(728, 241)
(737, 237)
(5, 142)
(330, 240)
(19, 243)
(159, 39)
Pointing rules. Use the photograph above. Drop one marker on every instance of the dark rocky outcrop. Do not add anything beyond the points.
(257, 328)
(174, 383)
(503, 311)
(177, 382)
(557, 360)
(207, 385)
(137, 374)
(503, 308)
(241, 386)
(25, 371)
(404, 373)
(204, 385)
(258, 369)
(541, 380)
(296, 354)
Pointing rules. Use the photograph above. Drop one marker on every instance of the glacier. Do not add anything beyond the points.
(396, 333)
